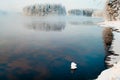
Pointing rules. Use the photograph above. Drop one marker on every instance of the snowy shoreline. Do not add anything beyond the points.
(112, 73)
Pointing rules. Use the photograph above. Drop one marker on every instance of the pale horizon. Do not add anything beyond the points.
(15, 5)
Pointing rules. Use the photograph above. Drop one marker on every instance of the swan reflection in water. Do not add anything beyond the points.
(47, 26)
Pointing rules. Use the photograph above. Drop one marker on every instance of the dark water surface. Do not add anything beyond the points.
(32, 49)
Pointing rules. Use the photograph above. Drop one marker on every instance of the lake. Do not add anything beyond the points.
(36, 48)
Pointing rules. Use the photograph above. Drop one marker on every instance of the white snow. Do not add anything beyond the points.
(112, 24)
(73, 65)
(111, 74)
(114, 72)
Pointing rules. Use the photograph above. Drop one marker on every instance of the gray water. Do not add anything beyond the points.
(36, 48)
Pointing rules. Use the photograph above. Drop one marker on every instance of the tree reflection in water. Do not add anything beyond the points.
(47, 26)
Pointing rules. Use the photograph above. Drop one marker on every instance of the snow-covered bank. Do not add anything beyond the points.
(112, 24)
(112, 73)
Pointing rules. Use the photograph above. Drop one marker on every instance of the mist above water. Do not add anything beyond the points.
(33, 48)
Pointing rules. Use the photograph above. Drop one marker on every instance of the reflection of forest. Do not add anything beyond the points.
(107, 37)
(47, 26)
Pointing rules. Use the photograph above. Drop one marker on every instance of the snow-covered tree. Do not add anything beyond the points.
(112, 10)
(81, 12)
(44, 9)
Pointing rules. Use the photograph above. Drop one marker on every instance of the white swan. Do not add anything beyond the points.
(73, 65)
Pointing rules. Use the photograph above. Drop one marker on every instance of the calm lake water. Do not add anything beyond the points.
(42, 49)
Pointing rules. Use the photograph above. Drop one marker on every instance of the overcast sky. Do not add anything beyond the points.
(17, 5)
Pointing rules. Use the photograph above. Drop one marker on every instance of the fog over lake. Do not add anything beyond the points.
(42, 48)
